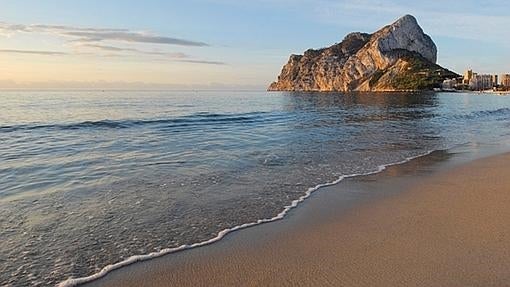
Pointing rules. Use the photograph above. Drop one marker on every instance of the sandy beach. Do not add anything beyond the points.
(429, 227)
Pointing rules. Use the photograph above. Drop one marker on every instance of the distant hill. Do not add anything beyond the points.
(398, 57)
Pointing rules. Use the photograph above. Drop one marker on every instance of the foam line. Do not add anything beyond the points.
(137, 258)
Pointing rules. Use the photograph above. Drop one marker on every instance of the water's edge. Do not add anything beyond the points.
(137, 258)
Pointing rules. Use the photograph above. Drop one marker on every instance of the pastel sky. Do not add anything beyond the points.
(200, 44)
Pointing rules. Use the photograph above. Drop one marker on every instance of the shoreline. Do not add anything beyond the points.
(235, 259)
(286, 209)
(493, 93)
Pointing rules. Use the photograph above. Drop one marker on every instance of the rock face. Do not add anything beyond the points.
(399, 57)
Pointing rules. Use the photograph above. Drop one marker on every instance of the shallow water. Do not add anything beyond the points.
(88, 179)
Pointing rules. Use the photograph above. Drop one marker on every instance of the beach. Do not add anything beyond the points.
(430, 224)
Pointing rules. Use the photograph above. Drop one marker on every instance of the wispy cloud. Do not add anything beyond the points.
(107, 48)
(71, 28)
(176, 57)
(105, 42)
(135, 37)
(33, 52)
(203, 62)
(173, 55)
(87, 34)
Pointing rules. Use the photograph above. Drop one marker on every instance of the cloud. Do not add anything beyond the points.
(136, 37)
(71, 28)
(177, 57)
(203, 62)
(172, 55)
(86, 34)
(33, 52)
(99, 39)
(107, 48)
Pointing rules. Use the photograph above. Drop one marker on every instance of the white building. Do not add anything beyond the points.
(481, 82)
(449, 84)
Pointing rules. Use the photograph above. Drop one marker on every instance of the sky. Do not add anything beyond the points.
(215, 44)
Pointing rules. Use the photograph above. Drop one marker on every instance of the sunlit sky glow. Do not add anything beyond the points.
(201, 44)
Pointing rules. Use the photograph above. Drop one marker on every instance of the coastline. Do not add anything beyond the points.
(219, 236)
(414, 231)
(489, 92)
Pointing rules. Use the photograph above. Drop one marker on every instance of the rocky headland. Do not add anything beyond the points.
(398, 57)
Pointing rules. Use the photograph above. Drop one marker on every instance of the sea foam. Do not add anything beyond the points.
(137, 258)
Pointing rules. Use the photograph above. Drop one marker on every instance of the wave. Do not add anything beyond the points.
(137, 258)
(195, 119)
(488, 113)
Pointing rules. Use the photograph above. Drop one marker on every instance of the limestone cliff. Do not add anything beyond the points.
(398, 57)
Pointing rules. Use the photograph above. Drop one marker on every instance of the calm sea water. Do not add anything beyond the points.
(88, 179)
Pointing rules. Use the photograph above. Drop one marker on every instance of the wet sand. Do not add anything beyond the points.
(424, 223)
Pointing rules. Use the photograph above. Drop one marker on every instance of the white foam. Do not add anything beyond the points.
(136, 258)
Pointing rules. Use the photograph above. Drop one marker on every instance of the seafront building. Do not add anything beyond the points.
(495, 81)
(468, 75)
(505, 80)
(477, 82)
(449, 84)
(480, 82)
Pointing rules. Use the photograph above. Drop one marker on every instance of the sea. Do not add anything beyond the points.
(93, 180)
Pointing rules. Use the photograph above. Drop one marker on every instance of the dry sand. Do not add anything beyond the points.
(447, 229)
